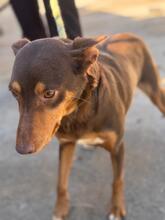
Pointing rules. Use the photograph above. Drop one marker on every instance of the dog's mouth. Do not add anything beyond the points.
(57, 125)
(32, 140)
(48, 140)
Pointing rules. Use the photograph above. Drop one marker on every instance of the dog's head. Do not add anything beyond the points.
(49, 75)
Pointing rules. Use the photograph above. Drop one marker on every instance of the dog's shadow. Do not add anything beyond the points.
(85, 213)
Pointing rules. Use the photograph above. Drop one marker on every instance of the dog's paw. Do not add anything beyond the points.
(112, 217)
(57, 218)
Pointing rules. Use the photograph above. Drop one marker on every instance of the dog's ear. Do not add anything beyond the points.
(84, 52)
(19, 45)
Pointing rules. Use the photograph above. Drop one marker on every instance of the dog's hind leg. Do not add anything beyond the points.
(150, 82)
(117, 210)
(65, 163)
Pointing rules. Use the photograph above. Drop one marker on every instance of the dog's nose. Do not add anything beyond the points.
(29, 149)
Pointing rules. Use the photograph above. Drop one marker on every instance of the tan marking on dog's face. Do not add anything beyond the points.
(39, 124)
(16, 86)
(39, 88)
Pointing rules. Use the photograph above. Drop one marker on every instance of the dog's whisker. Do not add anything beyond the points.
(77, 98)
(81, 99)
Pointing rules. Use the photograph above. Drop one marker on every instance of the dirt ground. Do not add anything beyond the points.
(27, 183)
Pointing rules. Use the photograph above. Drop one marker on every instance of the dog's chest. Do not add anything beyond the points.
(86, 140)
(90, 141)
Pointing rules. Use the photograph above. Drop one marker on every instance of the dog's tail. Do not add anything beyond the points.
(150, 82)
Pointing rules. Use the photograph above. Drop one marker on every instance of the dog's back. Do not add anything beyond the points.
(123, 58)
(128, 60)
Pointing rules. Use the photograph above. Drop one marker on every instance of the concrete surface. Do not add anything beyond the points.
(27, 183)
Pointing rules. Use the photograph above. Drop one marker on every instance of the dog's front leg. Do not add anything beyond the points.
(117, 211)
(65, 163)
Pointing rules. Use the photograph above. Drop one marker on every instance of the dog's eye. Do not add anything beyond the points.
(49, 94)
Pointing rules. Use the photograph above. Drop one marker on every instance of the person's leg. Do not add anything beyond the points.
(71, 18)
(27, 13)
(50, 18)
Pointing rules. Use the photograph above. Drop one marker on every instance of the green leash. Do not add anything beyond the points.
(58, 18)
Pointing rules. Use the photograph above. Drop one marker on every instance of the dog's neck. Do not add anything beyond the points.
(87, 104)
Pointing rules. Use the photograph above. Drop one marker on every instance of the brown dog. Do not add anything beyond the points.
(81, 89)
